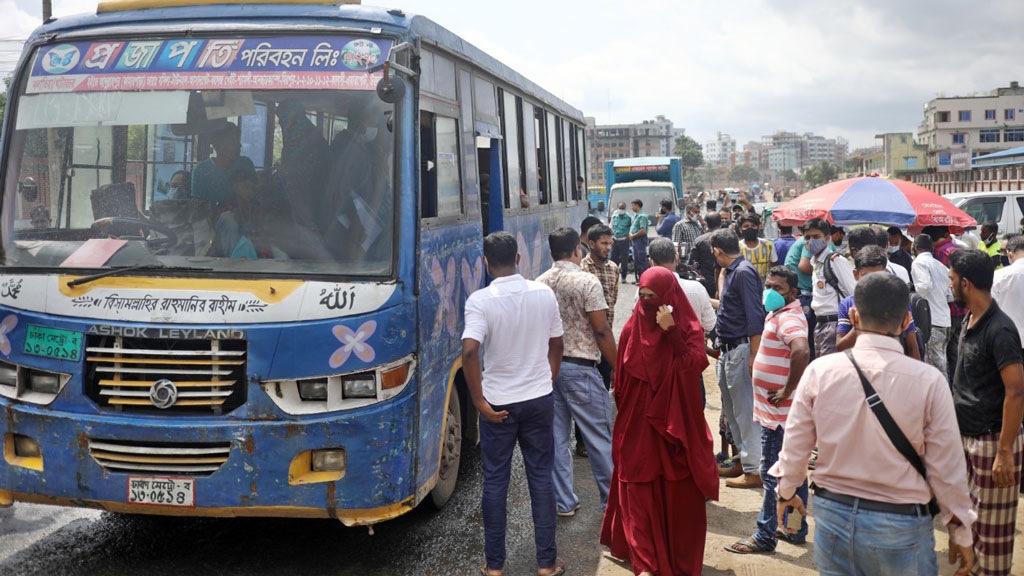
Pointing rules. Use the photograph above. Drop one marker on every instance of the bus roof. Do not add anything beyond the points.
(202, 18)
(647, 161)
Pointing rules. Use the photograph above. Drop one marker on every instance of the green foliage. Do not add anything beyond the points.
(690, 151)
(790, 176)
(821, 174)
(744, 173)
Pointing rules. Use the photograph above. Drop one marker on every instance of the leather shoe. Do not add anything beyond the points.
(731, 471)
(745, 481)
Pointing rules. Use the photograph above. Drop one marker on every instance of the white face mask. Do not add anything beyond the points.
(369, 134)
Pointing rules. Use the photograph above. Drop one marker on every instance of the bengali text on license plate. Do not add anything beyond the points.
(162, 491)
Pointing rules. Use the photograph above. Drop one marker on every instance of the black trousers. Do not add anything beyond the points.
(620, 255)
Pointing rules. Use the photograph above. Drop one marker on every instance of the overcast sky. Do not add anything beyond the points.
(744, 67)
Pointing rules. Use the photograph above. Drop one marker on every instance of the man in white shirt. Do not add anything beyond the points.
(825, 299)
(1008, 284)
(519, 322)
(931, 281)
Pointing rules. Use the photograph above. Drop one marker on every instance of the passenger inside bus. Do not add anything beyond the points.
(211, 177)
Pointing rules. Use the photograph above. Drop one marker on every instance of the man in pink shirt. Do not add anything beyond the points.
(778, 366)
(870, 506)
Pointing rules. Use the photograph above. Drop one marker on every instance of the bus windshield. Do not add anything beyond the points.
(236, 179)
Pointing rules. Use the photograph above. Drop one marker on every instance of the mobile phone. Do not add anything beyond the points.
(792, 520)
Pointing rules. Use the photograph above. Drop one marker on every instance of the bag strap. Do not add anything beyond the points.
(892, 430)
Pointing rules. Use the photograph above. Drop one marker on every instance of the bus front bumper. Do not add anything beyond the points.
(265, 469)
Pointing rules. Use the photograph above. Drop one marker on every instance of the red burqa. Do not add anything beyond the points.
(661, 445)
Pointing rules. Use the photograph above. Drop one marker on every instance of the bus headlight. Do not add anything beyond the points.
(43, 382)
(8, 374)
(359, 385)
(30, 384)
(313, 390)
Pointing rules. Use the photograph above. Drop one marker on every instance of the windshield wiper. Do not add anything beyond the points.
(123, 269)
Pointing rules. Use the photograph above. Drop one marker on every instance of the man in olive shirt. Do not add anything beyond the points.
(638, 235)
(988, 394)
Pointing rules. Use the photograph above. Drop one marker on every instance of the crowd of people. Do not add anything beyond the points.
(889, 365)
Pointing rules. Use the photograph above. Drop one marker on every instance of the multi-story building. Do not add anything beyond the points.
(901, 155)
(721, 151)
(609, 142)
(809, 149)
(785, 157)
(957, 128)
(754, 154)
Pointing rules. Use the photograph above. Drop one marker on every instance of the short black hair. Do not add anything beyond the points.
(693, 207)
(893, 231)
(974, 265)
(712, 204)
(1015, 244)
(661, 251)
(818, 224)
(785, 230)
(667, 204)
(837, 229)
(587, 223)
(563, 242)
(991, 225)
(923, 243)
(726, 240)
(598, 230)
(881, 236)
(500, 249)
(713, 220)
(638, 202)
(870, 256)
(936, 232)
(785, 272)
(858, 238)
(882, 300)
(749, 217)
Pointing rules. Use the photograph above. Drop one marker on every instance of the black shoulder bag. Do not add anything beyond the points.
(892, 430)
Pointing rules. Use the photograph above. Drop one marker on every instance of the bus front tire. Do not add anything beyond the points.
(451, 450)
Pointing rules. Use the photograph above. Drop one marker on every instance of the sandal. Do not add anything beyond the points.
(752, 547)
(485, 571)
(557, 569)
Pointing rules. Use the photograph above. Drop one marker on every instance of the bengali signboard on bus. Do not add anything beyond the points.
(275, 63)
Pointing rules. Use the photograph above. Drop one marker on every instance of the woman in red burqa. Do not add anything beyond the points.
(661, 445)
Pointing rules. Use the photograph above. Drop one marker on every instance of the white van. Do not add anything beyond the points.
(649, 192)
(1005, 208)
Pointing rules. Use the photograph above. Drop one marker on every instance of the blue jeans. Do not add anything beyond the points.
(640, 263)
(848, 540)
(529, 423)
(738, 404)
(580, 395)
(768, 521)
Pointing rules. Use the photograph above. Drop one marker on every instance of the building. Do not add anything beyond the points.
(721, 151)
(955, 129)
(901, 155)
(809, 149)
(609, 142)
(754, 155)
(782, 158)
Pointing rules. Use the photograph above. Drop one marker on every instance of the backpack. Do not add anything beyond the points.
(922, 314)
(830, 276)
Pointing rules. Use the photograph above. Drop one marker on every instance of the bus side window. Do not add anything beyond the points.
(544, 176)
(441, 182)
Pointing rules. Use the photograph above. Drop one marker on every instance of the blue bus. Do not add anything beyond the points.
(236, 244)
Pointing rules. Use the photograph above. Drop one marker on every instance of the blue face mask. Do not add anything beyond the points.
(772, 300)
(816, 245)
(892, 249)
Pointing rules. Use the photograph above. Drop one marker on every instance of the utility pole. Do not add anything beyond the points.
(47, 9)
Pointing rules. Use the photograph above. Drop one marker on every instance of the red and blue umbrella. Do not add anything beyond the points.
(873, 200)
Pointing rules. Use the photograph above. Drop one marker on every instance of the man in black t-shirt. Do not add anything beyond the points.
(988, 393)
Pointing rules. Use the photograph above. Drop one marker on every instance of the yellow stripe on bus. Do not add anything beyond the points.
(269, 291)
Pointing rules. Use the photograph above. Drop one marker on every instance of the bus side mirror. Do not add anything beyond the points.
(600, 205)
(28, 189)
(391, 89)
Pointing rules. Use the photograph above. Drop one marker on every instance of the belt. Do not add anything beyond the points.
(580, 361)
(727, 345)
(873, 505)
(827, 319)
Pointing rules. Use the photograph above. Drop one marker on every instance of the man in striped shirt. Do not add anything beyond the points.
(778, 366)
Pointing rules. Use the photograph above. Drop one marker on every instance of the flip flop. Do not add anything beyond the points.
(559, 569)
(749, 543)
(484, 571)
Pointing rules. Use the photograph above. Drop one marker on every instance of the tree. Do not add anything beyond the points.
(823, 173)
(3, 96)
(690, 151)
(790, 176)
(744, 173)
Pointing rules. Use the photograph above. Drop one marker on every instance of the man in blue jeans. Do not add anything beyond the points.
(518, 321)
(871, 508)
(580, 394)
(739, 326)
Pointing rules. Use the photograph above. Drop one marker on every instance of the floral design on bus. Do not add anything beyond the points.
(447, 312)
(530, 260)
(472, 277)
(353, 342)
(6, 327)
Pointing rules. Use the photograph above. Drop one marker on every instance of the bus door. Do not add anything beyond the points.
(489, 164)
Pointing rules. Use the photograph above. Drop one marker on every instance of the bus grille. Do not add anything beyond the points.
(159, 458)
(208, 375)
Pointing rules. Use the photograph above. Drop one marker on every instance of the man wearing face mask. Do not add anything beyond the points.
(832, 280)
(780, 362)
(756, 250)
(739, 327)
(689, 228)
(990, 243)
(894, 248)
(988, 393)
(180, 185)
